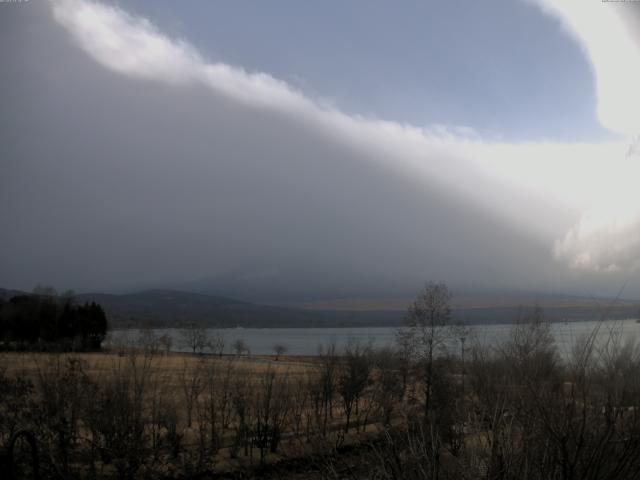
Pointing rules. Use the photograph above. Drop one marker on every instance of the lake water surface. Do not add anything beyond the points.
(305, 341)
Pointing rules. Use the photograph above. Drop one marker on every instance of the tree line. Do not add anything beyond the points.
(45, 320)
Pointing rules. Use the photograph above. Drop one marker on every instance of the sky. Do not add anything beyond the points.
(276, 151)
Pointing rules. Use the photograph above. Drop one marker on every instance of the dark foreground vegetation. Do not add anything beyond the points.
(437, 406)
(46, 321)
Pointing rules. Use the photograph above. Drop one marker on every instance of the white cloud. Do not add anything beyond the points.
(611, 44)
(127, 44)
(607, 237)
(533, 186)
(603, 241)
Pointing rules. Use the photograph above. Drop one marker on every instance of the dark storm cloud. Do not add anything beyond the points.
(112, 181)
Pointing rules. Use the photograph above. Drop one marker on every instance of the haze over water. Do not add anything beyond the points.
(305, 341)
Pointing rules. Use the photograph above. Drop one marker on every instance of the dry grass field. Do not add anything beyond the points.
(190, 411)
(29, 364)
(517, 411)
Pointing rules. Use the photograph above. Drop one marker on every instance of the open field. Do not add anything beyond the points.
(190, 411)
(30, 364)
(516, 410)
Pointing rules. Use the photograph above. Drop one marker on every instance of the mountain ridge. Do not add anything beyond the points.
(171, 308)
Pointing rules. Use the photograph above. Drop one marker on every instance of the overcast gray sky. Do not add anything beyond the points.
(287, 150)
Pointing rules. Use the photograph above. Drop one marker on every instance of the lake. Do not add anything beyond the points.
(305, 341)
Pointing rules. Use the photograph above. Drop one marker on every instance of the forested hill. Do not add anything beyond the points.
(170, 308)
(173, 308)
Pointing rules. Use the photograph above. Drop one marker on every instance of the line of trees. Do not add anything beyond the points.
(45, 320)
(516, 410)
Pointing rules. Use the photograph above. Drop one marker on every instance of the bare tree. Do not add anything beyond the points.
(426, 317)
(532, 346)
(224, 395)
(192, 384)
(164, 342)
(115, 413)
(271, 406)
(279, 349)
(240, 347)
(389, 383)
(241, 400)
(195, 338)
(404, 354)
(217, 343)
(327, 383)
(300, 408)
(148, 340)
(461, 333)
(353, 377)
(208, 427)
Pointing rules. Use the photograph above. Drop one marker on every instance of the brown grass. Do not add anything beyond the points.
(168, 365)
